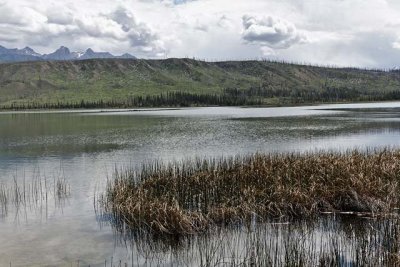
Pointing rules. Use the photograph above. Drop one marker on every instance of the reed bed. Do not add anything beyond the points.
(188, 197)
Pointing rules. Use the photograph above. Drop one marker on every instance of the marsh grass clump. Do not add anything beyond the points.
(189, 197)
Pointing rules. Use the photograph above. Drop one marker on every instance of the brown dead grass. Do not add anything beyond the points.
(188, 197)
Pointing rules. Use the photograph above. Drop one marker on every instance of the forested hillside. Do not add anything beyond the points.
(185, 82)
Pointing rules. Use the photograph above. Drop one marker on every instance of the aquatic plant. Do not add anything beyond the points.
(188, 197)
(34, 192)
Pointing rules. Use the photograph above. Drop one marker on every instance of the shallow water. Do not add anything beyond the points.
(329, 241)
(85, 147)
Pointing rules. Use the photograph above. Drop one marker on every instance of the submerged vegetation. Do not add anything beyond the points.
(190, 197)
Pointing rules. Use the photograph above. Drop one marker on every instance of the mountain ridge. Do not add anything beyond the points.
(9, 55)
(181, 82)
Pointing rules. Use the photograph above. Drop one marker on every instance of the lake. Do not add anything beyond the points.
(84, 147)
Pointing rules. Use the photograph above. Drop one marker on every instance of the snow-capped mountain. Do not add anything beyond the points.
(27, 51)
(25, 54)
(62, 53)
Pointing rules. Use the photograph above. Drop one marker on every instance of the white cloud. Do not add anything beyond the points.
(396, 44)
(271, 31)
(9, 15)
(225, 22)
(138, 34)
(59, 15)
(268, 51)
(50, 26)
(342, 32)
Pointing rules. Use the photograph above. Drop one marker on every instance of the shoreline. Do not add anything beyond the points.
(145, 109)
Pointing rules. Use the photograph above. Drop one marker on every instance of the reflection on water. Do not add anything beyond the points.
(34, 196)
(90, 145)
(328, 241)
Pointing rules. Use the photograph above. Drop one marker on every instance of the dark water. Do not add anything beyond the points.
(85, 147)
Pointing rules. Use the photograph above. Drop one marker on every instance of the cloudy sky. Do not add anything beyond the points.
(362, 33)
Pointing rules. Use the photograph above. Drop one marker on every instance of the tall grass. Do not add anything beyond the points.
(188, 197)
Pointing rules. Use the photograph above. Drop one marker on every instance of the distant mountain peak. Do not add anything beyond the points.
(3, 49)
(63, 48)
(62, 53)
(127, 55)
(90, 54)
(29, 51)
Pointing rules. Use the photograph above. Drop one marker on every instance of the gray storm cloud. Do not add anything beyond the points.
(270, 31)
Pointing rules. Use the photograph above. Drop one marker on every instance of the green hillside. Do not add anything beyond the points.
(112, 82)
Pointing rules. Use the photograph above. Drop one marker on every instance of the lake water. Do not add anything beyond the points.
(84, 147)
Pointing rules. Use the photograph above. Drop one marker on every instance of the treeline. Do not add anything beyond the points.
(170, 99)
(328, 94)
(229, 97)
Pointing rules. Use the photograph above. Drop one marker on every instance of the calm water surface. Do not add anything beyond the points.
(85, 147)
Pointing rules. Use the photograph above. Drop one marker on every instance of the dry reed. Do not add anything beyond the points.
(189, 197)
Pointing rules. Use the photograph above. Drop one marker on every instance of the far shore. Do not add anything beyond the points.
(141, 109)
